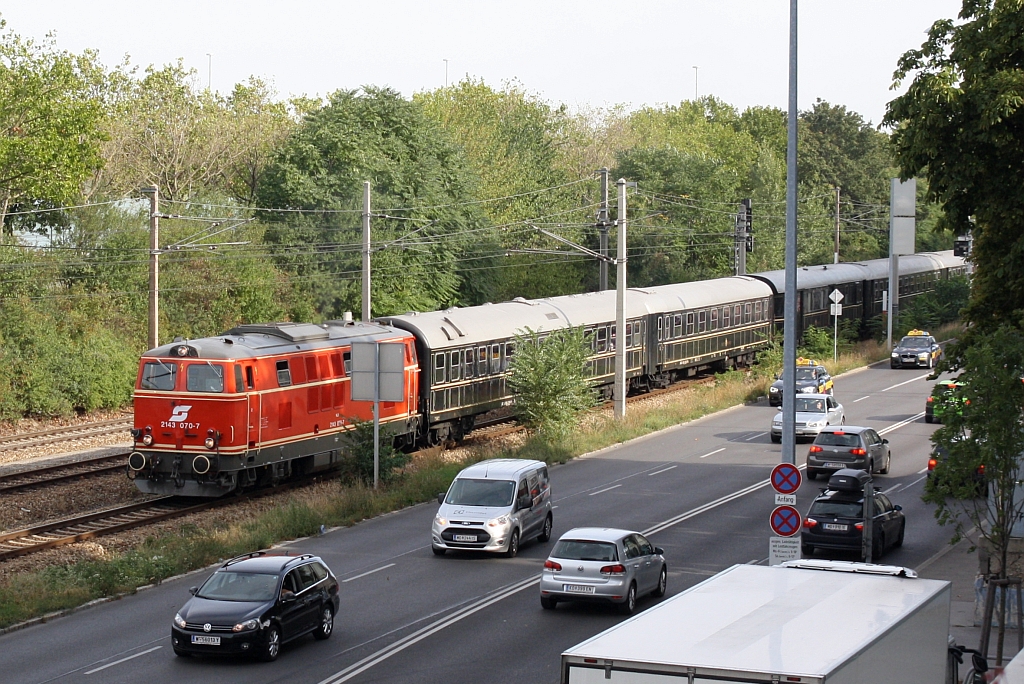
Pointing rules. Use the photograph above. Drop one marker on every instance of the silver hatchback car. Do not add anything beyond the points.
(603, 564)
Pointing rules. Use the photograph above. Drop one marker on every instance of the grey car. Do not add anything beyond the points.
(813, 412)
(848, 446)
(603, 564)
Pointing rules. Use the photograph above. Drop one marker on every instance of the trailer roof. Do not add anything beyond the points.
(762, 620)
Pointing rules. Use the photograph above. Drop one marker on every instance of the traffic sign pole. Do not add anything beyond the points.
(837, 311)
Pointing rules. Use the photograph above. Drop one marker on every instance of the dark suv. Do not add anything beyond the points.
(847, 446)
(836, 518)
(256, 602)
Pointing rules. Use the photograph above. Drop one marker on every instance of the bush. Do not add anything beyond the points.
(359, 447)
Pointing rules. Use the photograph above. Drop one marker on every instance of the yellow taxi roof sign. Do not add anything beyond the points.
(916, 333)
(801, 361)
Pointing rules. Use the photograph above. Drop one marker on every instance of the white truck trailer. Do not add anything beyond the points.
(808, 622)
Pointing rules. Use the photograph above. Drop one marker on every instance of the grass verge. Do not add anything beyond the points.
(34, 593)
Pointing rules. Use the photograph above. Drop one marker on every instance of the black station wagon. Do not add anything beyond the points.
(254, 603)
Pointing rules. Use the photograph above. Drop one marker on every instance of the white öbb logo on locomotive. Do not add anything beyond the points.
(178, 417)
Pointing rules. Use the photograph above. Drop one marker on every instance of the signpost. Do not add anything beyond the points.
(836, 309)
(785, 520)
(378, 374)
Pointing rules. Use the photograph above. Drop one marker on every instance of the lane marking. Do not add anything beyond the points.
(915, 482)
(893, 488)
(906, 382)
(369, 572)
(861, 399)
(759, 434)
(712, 453)
(923, 470)
(601, 491)
(659, 472)
(897, 426)
(118, 662)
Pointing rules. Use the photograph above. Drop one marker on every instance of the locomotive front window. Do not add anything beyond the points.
(204, 377)
(158, 375)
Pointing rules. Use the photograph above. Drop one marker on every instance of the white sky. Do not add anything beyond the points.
(577, 52)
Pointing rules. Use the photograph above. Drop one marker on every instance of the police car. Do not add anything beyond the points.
(916, 349)
(811, 378)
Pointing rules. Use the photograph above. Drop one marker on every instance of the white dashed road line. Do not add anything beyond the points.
(861, 399)
(906, 382)
(759, 434)
(663, 470)
(897, 426)
(601, 491)
(369, 572)
(118, 662)
(712, 453)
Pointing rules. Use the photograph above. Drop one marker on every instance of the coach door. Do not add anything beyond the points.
(255, 400)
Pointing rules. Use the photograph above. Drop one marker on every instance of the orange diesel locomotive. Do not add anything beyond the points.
(255, 405)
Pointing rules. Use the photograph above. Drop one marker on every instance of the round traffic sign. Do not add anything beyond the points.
(786, 478)
(785, 521)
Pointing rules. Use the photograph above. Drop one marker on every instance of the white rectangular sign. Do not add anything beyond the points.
(364, 371)
(835, 309)
(785, 499)
(782, 549)
(902, 209)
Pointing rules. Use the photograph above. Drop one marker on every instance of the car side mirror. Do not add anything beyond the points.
(193, 590)
(440, 497)
(897, 507)
(885, 441)
(659, 551)
(289, 597)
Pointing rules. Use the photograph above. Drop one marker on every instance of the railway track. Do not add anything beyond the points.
(27, 440)
(48, 475)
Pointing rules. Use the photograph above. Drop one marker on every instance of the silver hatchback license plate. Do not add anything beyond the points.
(578, 588)
(835, 465)
(208, 640)
(465, 537)
(834, 527)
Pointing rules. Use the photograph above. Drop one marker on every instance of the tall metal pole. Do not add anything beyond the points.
(894, 294)
(695, 83)
(836, 255)
(603, 224)
(376, 414)
(619, 393)
(867, 534)
(366, 251)
(154, 265)
(789, 331)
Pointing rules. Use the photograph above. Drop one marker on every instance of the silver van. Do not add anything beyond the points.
(494, 506)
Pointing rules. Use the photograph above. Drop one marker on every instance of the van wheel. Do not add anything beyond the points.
(548, 603)
(513, 545)
(437, 551)
(545, 533)
(659, 590)
(628, 606)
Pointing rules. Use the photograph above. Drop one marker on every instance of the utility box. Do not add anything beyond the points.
(807, 622)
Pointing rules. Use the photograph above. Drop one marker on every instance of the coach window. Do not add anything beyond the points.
(510, 350)
(757, 311)
(470, 356)
(239, 384)
(481, 358)
(746, 312)
(495, 358)
(767, 309)
(629, 334)
(159, 375)
(661, 329)
(677, 325)
(602, 339)
(714, 319)
(250, 382)
(725, 316)
(204, 377)
(453, 365)
(284, 375)
(689, 323)
(438, 368)
(702, 321)
(737, 314)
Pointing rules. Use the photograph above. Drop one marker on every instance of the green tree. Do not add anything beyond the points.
(549, 377)
(51, 116)
(359, 447)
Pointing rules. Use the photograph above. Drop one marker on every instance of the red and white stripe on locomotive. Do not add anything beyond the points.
(255, 405)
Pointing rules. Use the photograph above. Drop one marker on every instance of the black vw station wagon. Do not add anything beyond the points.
(254, 603)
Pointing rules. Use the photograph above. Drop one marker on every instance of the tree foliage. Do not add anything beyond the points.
(549, 376)
(358, 467)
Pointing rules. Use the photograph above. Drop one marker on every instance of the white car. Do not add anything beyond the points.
(813, 412)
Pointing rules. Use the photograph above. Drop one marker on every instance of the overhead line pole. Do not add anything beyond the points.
(154, 265)
(603, 224)
(366, 251)
(836, 255)
(789, 327)
(619, 394)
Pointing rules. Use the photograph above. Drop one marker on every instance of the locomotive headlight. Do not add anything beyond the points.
(210, 442)
(147, 440)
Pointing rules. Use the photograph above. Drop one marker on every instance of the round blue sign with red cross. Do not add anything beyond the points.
(786, 478)
(785, 521)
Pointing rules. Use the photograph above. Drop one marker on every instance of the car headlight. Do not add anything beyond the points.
(246, 626)
(773, 390)
(178, 620)
(923, 355)
(807, 390)
(895, 354)
(441, 520)
(498, 522)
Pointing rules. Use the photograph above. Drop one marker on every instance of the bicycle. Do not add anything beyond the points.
(979, 665)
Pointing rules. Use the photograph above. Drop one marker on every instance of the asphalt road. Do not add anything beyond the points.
(699, 490)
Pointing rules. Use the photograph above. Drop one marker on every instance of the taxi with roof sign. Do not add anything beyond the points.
(917, 349)
(811, 378)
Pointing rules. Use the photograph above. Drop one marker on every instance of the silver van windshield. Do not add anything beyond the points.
(466, 492)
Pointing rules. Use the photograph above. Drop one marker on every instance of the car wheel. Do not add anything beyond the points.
(812, 474)
(326, 627)
(807, 549)
(843, 421)
(928, 418)
(893, 365)
(513, 545)
(888, 463)
(899, 539)
(548, 603)
(871, 468)
(437, 551)
(628, 606)
(878, 547)
(272, 645)
(659, 590)
(776, 439)
(545, 533)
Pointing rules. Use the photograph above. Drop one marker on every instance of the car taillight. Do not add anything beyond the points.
(617, 569)
(932, 463)
(810, 523)
(552, 565)
(929, 400)
(858, 452)
(815, 449)
(981, 469)
(859, 526)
